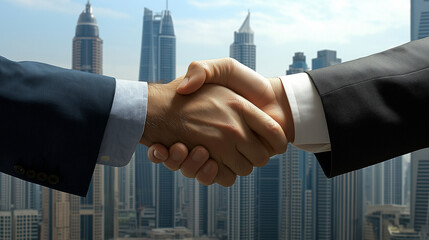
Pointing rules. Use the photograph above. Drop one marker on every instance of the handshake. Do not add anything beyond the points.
(231, 117)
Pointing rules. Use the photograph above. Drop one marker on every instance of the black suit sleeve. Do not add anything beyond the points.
(52, 122)
(376, 107)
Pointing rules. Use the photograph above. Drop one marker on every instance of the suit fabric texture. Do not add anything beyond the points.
(52, 123)
(376, 107)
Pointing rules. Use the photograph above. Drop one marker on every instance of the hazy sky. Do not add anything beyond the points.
(43, 30)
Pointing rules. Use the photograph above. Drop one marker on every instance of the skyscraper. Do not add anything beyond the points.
(243, 49)
(419, 19)
(155, 185)
(348, 206)
(267, 200)
(393, 193)
(298, 65)
(67, 216)
(325, 58)
(157, 64)
(419, 189)
(296, 193)
(87, 44)
(241, 196)
(241, 208)
(158, 50)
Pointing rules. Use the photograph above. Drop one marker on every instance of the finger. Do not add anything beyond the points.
(237, 162)
(253, 149)
(264, 126)
(229, 73)
(208, 172)
(195, 160)
(178, 153)
(157, 153)
(216, 71)
(225, 176)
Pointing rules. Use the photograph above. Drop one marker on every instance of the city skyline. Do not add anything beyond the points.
(205, 28)
(297, 195)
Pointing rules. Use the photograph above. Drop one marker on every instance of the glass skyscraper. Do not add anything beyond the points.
(95, 216)
(155, 185)
(419, 19)
(419, 189)
(298, 65)
(267, 200)
(325, 58)
(241, 196)
(244, 49)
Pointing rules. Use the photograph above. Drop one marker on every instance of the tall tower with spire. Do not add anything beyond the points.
(87, 44)
(155, 185)
(66, 216)
(243, 49)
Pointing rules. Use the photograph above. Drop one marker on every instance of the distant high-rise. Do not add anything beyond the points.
(267, 200)
(87, 44)
(322, 203)
(241, 208)
(383, 183)
(165, 190)
(296, 194)
(419, 19)
(325, 58)
(19, 224)
(322, 186)
(95, 216)
(126, 186)
(348, 206)
(243, 49)
(393, 192)
(298, 65)
(158, 50)
(419, 189)
(157, 64)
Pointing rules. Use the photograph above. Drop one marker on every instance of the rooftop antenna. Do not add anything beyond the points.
(167, 4)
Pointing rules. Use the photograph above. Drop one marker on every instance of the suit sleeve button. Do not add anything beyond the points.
(53, 179)
(19, 169)
(42, 176)
(31, 173)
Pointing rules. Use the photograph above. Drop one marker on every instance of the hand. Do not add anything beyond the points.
(237, 134)
(268, 94)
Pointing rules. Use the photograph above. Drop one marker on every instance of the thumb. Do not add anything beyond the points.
(207, 71)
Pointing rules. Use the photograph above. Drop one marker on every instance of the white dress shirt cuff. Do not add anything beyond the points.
(125, 124)
(311, 131)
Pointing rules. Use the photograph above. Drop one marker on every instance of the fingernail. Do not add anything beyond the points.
(198, 156)
(183, 83)
(158, 155)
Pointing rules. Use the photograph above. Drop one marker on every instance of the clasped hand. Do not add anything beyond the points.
(231, 117)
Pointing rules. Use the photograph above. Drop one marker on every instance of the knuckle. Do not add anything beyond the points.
(194, 64)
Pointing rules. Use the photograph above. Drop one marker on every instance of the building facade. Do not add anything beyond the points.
(419, 189)
(325, 58)
(348, 206)
(66, 216)
(267, 200)
(155, 185)
(419, 19)
(298, 65)
(243, 49)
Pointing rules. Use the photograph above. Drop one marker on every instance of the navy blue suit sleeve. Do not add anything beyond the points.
(52, 122)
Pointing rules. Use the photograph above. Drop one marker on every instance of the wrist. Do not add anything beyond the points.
(156, 112)
(286, 120)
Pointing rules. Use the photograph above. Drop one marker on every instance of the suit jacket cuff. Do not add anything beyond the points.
(125, 124)
(311, 131)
